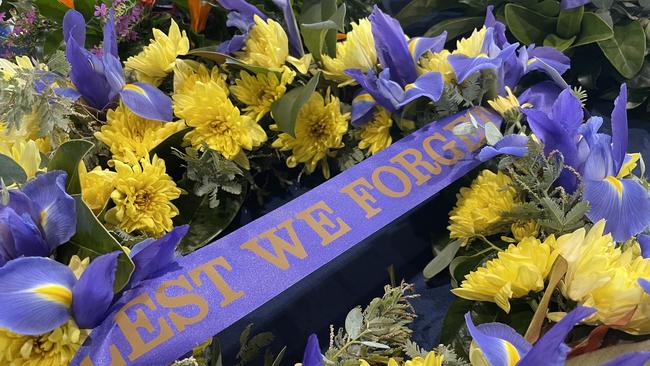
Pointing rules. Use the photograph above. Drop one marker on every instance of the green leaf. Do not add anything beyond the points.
(417, 9)
(92, 240)
(85, 7)
(205, 222)
(603, 4)
(561, 44)
(10, 171)
(441, 260)
(53, 41)
(374, 344)
(528, 26)
(568, 22)
(455, 27)
(626, 50)
(593, 29)
(550, 8)
(211, 53)
(354, 322)
(280, 356)
(320, 36)
(454, 330)
(51, 9)
(165, 150)
(285, 110)
(67, 157)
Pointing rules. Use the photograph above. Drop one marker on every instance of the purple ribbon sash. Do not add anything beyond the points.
(217, 285)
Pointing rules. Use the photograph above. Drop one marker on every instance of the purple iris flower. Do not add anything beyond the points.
(241, 16)
(570, 4)
(644, 243)
(99, 80)
(37, 219)
(624, 202)
(398, 83)
(541, 96)
(514, 145)
(312, 356)
(38, 294)
(497, 341)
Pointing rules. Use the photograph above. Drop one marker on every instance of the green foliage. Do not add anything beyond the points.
(285, 110)
(556, 210)
(626, 50)
(350, 154)
(10, 171)
(320, 20)
(376, 333)
(67, 158)
(252, 347)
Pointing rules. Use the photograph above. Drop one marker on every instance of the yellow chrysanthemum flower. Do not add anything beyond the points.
(375, 134)
(357, 51)
(437, 62)
(142, 196)
(259, 91)
(431, 359)
(25, 154)
(471, 46)
(516, 271)
(131, 136)
(55, 348)
(96, 186)
(507, 104)
(602, 276)
(267, 44)
(187, 73)
(319, 128)
(158, 58)
(524, 229)
(479, 209)
(216, 121)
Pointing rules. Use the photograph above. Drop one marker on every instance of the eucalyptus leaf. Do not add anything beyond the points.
(593, 29)
(91, 239)
(626, 50)
(492, 133)
(528, 26)
(10, 171)
(417, 9)
(568, 22)
(285, 110)
(455, 27)
(354, 322)
(374, 344)
(442, 259)
(67, 157)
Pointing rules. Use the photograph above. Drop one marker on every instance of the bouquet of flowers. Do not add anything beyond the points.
(134, 132)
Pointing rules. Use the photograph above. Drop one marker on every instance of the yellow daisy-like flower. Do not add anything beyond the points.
(431, 359)
(516, 271)
(471, 46)
(130, 136)
(267, 44)
(437, 62)
(375, 134)
(507, 104)
(602, 276)
(479, 209)
(158, 58)
(142, 196)
(259, 91)
(25, 154)
(319, 128)
(216, 121)
(187, 73)
(96, 186)
(524, 229)
(357, 51)
(55, 348)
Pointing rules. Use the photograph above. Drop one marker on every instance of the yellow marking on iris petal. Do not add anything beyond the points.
(409, 86)
(43, 218)
(55, 293)
(513, 354)
(531, 60)
(135, 88)
(364, 98)
(617, 185)
(629, 165)
(412, 46)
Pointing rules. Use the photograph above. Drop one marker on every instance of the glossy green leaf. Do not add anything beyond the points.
(593, 29)
(285, 110)
(442, 259)
(211, 53)
(626, 50)
(454, 330)
(51, 9)
(53, 41)
(67, 157)
(92, 240)
(561, 44)
(569, 21)
(10, 171)
(85, 7)
(205, 222)
(528, 26)
(550, 8)
(455, 27)
(417, 9)
(320, 36)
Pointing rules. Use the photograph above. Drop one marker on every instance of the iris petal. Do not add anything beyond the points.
(19, 236)
(109, 43)
(392, 48)
(515, 145)
(147, 101)
(624, 203)
(570, 4)
(497, 351)
(293, 33)
(35, 295)
(644, 243)
(550, 348)
(56, 209)
(74, 25)
(630, 359)
(369, 83)
(84, 75)
(312, 356)
(619, 129)
(429, 85)
(362, 107)
(541, 96)
(152, 256)
(419, 45)
(93, 294)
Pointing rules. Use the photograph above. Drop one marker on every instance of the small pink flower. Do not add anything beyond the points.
(100, 10)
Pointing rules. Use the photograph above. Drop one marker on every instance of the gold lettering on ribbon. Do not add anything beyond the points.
(362, 197)
(280, 246)
(322, 224)
(401, 176)
(416, 165)
(179, 321)
(210, 270)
